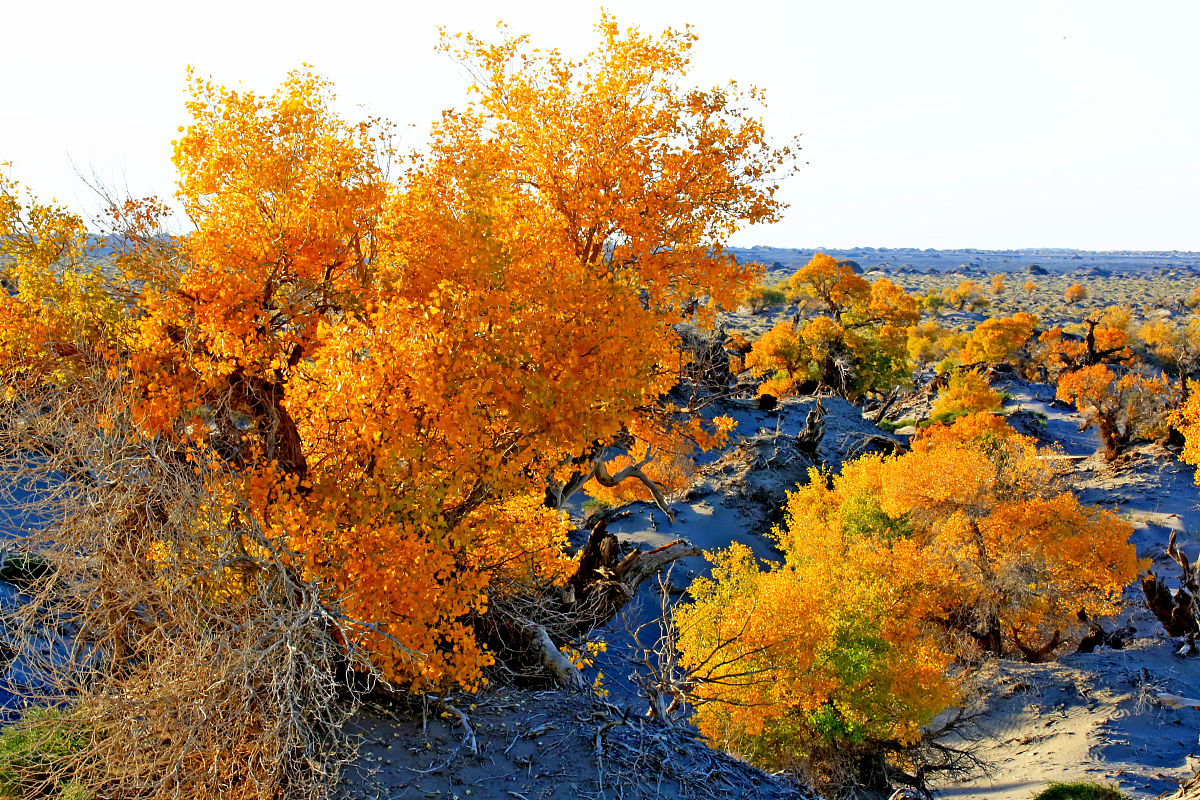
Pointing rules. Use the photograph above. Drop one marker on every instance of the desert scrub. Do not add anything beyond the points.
(35, 751)
(892, 426)
(593, 505)
(1080, 790)
(835, 661)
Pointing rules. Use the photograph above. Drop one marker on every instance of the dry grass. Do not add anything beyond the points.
(180, 649)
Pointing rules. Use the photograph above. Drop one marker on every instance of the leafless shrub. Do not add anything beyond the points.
(187, 655)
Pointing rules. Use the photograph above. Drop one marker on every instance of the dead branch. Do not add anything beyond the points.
(193, 658)
(1178, 611)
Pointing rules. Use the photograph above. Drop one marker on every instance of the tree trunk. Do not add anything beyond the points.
(526, 633)
(1109, 434)
(604, 581)
(1179, 612)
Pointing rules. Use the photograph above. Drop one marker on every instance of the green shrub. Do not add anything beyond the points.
(947, 417)
(762, 297)
(32, 751)
(1081, 790)
(592, 505)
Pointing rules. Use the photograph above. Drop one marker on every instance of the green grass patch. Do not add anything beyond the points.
(1081, 790)
(33, 750)
(892, 426)
(593, 505)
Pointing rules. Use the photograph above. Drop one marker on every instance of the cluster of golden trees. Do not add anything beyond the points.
(901, 571)
(868, 338)
(894, 570)
(375, 378)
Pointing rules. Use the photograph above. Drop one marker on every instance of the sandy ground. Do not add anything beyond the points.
(527, 745)
(1086, 716)
(1096, 715)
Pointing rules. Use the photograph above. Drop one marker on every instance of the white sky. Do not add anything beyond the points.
(924, 124)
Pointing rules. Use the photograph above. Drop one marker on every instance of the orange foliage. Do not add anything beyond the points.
(1187, 417)
(795, 663)
(834, 285)
(1030, 286)
(893, 569)
(859, 347)
(1177, 346)
(998, 339)
(930, 343)
(850, 360)
(966, 392)
(997, 284)
(1075, 292)
(666, 453)
(1105, 339)
(967, 294)
(1117, 405)
(396, 366)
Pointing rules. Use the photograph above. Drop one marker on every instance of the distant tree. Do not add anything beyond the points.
(859, 347)
(1105, 339)
(930, 343)
(763, 296)
(834, 285)
(1074, 293)
(1030, 287)
(966, 295)
(997, 284)
(933, 302)
(1176, 346)
(1118, 405)
(998, 339)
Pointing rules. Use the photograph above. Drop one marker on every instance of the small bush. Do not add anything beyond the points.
(1081, 790)
(965, 393)
(892, 426)
(762, 297)
(33, 751)
(592, 505)
(1074, 293)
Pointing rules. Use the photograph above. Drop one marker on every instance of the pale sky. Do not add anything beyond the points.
(923, 124)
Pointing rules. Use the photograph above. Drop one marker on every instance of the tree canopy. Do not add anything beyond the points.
(395, 354)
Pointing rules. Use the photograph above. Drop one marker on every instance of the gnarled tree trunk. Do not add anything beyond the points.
(527, 634)
(1178, 611)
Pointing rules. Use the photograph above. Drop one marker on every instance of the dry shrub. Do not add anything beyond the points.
(185, 655)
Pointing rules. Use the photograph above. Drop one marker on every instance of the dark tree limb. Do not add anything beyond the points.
(605, 581)
(1178, 611)
(808, 441)
(600, 473)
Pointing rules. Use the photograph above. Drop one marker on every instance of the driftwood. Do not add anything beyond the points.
(546, 655)
(1189, 790)
(885, 405)
(1098, 637)
(707, 364)
(1178, 611)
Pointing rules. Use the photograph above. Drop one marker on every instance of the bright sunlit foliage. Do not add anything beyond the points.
(397, 353)
(893, 569)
